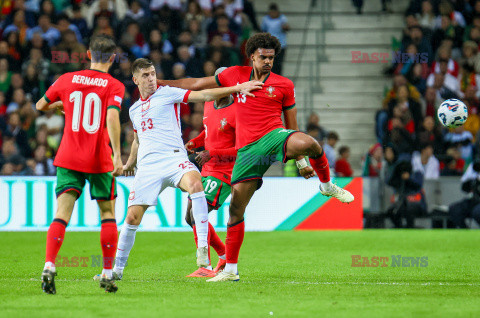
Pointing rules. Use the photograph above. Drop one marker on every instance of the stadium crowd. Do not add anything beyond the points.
(42, 39)
(441, 40)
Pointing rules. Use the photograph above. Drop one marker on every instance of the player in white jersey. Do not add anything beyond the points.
(159, 155)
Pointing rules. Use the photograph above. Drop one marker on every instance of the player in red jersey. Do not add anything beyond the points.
(217, 161)
(91, 100)
(262, 138)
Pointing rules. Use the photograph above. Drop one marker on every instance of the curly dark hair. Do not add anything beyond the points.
(262, 41)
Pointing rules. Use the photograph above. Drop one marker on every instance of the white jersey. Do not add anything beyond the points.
(156, 121)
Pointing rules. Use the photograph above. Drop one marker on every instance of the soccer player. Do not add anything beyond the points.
(261, 135)
(160, 157)
(91, 102)
(217, 162)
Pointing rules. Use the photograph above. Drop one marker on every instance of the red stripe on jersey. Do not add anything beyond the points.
(185, 98)
(177, 106)
(215, 201)
(112, 190)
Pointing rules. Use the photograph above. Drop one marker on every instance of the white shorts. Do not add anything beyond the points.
(152, 178)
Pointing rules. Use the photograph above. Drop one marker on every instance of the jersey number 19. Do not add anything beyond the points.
(91, 104)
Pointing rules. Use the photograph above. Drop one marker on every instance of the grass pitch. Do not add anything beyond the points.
(283, 274)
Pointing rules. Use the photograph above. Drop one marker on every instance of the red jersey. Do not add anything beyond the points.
(218, 137)
(86, 95)
(259, 115)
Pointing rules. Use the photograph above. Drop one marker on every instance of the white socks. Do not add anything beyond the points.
(107, 272)
(200, 215)
(49, 265)
(231, 268)
(327, 186)
(124, 246)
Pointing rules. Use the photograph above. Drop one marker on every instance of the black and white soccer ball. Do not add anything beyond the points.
(452, 113)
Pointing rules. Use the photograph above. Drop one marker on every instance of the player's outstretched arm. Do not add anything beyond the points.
(216, 93)
(129, 167)
(113, 127)
(194, 84)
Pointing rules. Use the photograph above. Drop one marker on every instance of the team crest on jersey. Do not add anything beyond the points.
(131, 196)
(223, 123)
(270, 90)
(145, 107)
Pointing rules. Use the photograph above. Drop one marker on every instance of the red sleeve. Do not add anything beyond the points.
(289, 97)
(229, 152)
(54, 91)
(116, 96)
(228, 77)
(199, 141)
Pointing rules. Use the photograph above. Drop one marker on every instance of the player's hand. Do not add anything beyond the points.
(117, 166)
(203, 157)
(307, 172)
(189, 146)
(128, 170)
(57, 105)
(247, 87)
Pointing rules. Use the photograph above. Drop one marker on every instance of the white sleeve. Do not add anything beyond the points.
(175, 94)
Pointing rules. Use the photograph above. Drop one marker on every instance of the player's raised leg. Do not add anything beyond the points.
(108, 241)
(241, 195)
(127, 238)
(191, 182)
(300, 144)
(55, 236)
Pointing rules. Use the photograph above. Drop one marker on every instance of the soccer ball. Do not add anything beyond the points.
(452, 113)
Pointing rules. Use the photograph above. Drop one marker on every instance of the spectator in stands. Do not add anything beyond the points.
(277, 25)
(469, 207)
(415, 35)
(445, 85)
(5, 75)
(43, 165)
(431, 102)
(9, 150)
(329, 148)
(449, 81)
(427, 17)
(342, 166)
(14, 129)
(178, 71)
(470, 55)
(70, 47)
(194, 13)
(400, 137)
(373, 163)
(399, 80)
(135, 11)
(103, 26)
(3, 106)
(429, 134)
(417, 76)
(446, 9)
(14, 50)
(405, 105)
(425, 162)
(199, 36)
(447, 31)
(46, 29)
(19, 27)
(54, 124)
(229, 38)
(156, 42)
(18, 99)
(79, 22)
(462, 140)
(191, 64)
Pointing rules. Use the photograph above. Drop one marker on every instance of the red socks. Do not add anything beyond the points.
(55, 235)
(235, 234)
(108, 240)
(215, 241)
(320, 165)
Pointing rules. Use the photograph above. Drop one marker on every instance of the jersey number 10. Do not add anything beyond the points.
(91, 104)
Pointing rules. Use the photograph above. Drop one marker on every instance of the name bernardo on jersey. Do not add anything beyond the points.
(79, 79)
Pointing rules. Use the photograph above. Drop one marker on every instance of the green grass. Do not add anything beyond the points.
(290, 274)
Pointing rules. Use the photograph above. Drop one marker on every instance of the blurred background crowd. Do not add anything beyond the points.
(42, 39)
